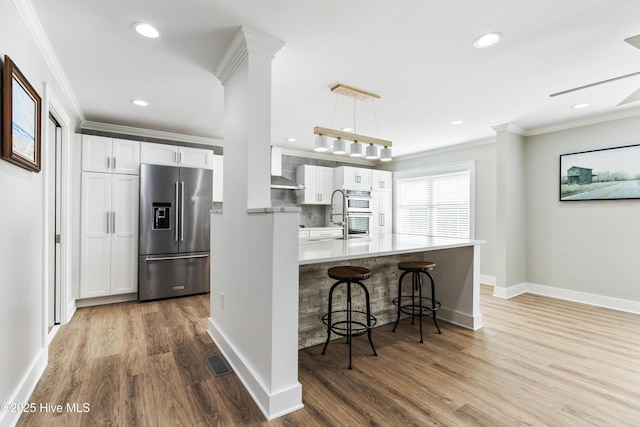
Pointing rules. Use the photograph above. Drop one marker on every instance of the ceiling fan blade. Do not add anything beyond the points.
(634, 97)
(634, 41)
(594, 84)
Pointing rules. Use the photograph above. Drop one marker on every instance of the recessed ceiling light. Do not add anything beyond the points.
(578, 106)
(291, 140)
(146, 30)
(457, 122)
(347, 129)
(487, 40)
(139, 102)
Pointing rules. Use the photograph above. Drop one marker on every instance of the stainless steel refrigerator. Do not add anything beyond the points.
(174, 231)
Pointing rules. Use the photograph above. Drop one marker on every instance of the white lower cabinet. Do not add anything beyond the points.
(109, 234)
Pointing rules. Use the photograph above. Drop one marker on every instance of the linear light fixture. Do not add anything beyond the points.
(359, 141)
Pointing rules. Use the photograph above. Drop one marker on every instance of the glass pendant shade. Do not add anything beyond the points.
(372, 152)
(356, 149)
(385, 154)
(321, 143)
(338, 146)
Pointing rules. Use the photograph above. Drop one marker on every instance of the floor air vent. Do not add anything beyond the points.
(218, 365)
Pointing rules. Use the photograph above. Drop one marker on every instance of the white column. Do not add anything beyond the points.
(254, 248)
(511, 271)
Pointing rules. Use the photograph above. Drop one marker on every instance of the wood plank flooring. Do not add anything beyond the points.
(538, 361)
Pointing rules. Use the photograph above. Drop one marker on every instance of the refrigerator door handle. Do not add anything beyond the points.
(176, 257)
(176, 214)
(182, 212)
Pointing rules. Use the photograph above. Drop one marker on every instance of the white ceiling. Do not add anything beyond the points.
(418, 55)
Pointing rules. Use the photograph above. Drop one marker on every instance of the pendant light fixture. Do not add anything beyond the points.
(357, 147)
(321, 144)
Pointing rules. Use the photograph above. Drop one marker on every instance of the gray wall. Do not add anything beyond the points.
(588, 246)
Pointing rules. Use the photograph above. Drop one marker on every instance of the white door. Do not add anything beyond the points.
(95, 235)
(54, 171)
(124, 234)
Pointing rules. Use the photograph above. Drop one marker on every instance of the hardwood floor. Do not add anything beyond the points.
(538, 361)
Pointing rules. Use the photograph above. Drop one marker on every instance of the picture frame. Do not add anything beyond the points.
(604, 174)
(21, 123)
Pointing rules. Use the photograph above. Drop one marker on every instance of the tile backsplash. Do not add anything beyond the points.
(311, 215)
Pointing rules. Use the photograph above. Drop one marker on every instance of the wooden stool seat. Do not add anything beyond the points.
(347, 272)
(416, 265)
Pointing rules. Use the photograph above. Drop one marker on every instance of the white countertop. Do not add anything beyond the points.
(313, 251)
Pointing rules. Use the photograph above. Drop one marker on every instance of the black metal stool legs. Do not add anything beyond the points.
(346, 327)
(416, 306)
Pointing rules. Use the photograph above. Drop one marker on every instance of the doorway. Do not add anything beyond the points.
(54, 166)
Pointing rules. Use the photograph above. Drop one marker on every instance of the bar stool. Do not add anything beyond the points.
(410, 304)
(349, 322)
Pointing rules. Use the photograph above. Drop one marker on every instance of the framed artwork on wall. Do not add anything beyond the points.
(606, 174)
(21, 124)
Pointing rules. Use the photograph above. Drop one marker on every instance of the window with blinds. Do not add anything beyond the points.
(434, 204)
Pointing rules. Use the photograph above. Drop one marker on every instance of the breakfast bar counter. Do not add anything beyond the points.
(456, 275)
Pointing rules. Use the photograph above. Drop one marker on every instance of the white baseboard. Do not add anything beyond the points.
(568, 295)
(110, 299)
(271, 404)
(585, 298)
(487, 280)
(461, 319)
(511, 291)
(23, 391)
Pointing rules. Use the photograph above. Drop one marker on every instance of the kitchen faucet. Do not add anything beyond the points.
(343, 223)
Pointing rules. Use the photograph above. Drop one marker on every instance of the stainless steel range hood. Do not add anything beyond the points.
(277, 180)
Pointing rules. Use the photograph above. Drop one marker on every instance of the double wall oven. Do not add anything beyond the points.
(359, 212)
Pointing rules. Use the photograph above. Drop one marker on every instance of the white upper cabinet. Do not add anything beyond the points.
(381, 180)
(110, 155)
(352, 178)
(318, 185)
(171, 155)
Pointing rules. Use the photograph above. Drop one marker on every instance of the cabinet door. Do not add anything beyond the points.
(381, 180)
(218, 172)
(353, 178)
(124, 234)
(382, 209)
(195, 158)
(324, 184)
(95, 235)
(96, 153)
(158, 154)
(126, 157)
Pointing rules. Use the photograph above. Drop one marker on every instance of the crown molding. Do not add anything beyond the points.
(510, 127)
(148, 133)
(445, 149)
(32, 22)
(244, 42)
(585, 122)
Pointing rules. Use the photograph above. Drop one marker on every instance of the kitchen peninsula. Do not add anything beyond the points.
(456, 275)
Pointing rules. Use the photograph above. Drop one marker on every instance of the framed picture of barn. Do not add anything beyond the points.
(607, 174)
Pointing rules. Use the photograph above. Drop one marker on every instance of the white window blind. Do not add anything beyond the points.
(434, 205)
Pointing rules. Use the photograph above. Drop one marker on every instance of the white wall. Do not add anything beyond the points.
(485, 157)
(590, 246)
(22, 345)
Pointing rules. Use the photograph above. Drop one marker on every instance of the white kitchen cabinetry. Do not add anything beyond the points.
(172, 155)
(112, 155)
(326, 232)
(218, 169)
(381, 180)
(382, 210)
(109, 234)
(318, 185)
(352, 178)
